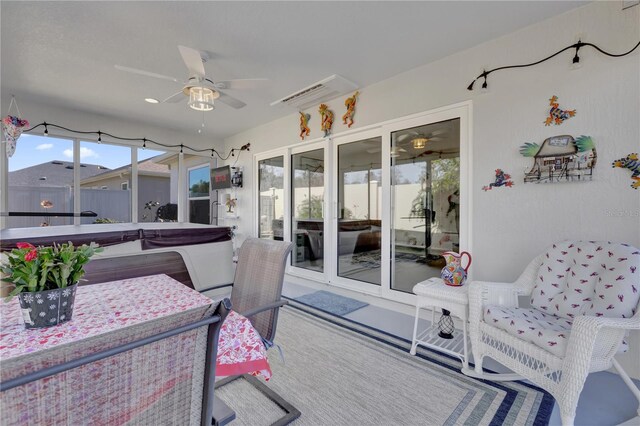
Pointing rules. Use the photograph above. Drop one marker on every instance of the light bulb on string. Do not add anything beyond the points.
(46, 129)
(144, 143)
(99, 136)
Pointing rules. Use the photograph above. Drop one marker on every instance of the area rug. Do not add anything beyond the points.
(339, 372)
(331, 303)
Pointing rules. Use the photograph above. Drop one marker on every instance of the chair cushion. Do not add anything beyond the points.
(588, 278)
(546, 331)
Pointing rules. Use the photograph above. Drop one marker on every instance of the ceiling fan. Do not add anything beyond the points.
(200, 90)
(420, 139)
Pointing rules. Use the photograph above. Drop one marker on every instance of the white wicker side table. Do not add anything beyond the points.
(434, 293)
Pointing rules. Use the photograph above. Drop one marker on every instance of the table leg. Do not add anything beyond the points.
(414, 343)
(465, 362)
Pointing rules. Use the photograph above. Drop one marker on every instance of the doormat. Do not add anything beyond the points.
(331, 303)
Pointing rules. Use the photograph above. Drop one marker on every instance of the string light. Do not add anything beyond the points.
(245, 147)
(575, 61)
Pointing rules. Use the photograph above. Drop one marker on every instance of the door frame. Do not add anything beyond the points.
(326, 233)
(463, 111)
(280, 152)
(336, 280)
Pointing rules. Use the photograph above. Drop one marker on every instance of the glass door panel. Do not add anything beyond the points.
(307, 210)
(360, 210)
(425, 187)
(271, 198)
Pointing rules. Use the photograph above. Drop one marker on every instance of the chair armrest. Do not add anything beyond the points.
(274, 305)
(483, 293)
(585, 334)
(216, 287)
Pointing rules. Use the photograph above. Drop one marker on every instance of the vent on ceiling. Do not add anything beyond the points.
(319, 92)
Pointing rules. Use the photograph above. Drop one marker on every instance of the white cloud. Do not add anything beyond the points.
(44, 146)
(84, 153)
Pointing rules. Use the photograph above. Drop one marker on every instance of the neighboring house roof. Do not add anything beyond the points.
(52, 173)
(145, 168)
(553, 147)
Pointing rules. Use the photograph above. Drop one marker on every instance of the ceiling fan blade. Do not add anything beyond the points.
(434, 139)
(193, 61)
(402, 137)
(146, 73)
(373, 150)
(231, 101)
(244, 83)
(438, 132)
(176, 97)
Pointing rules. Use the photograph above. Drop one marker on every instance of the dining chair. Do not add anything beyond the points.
(257, 295)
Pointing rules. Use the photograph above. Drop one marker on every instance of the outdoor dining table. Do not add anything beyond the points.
(107, 315)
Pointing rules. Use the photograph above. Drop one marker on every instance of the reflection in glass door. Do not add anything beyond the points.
(271, 198)
(307, 210)
(425, 187)
(360, 210)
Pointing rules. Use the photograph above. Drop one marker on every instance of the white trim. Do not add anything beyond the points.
(134, 185)
(356, 285)
(461, 110)
(302, 272)
(77, 206)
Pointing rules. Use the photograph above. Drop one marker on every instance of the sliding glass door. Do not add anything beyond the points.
(359, 210)
(425, 190)
(307, 209)
(372, 210)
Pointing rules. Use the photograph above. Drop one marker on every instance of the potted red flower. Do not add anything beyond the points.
(46, 279)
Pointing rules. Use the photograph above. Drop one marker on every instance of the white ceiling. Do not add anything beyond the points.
(63, 53)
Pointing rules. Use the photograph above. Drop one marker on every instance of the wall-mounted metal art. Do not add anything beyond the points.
(561, 158)
(557, 115)
(501, 179)
(632, 163)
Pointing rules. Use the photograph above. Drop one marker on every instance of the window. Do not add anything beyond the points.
(45, 176)
(271, 199)
(199, 197)
(104, 165)
(40, 180)
(155, 202)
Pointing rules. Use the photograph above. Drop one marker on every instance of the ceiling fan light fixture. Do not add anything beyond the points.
(201, 98)
(419, 142)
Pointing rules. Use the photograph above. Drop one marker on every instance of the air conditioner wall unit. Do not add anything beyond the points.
(316, 93)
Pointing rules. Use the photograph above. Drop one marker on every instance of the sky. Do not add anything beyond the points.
(33, 149)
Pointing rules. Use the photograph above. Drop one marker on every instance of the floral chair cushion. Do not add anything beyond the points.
(588, 278)
(547, 331)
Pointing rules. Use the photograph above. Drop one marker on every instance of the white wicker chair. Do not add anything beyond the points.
(584, 299)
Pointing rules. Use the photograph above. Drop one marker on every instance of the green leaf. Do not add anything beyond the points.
(529, 149)
(584, 143)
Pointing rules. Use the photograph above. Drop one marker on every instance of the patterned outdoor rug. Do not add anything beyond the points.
(331, 303)
(339, 372)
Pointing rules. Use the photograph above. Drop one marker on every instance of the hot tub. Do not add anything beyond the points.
(199, 256)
